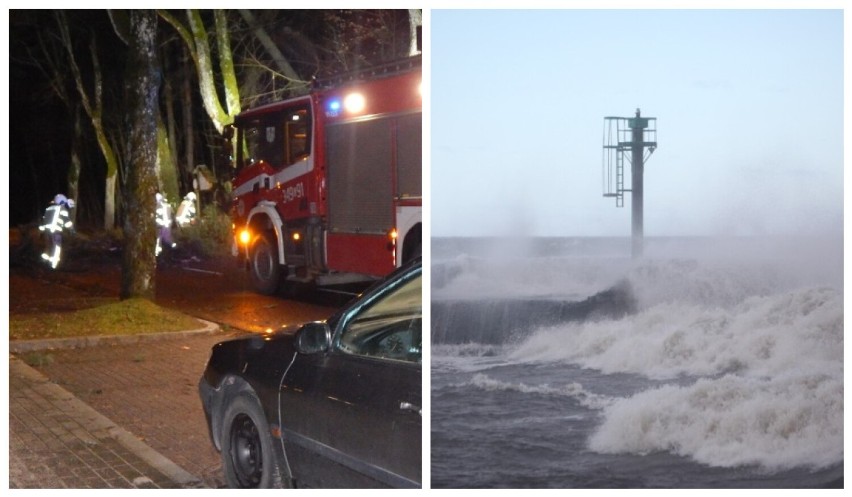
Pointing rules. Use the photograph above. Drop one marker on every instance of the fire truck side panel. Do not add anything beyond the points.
(360, 193)
(359, 177)
(364, 254)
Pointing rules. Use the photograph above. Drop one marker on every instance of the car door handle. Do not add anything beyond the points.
(408, 406)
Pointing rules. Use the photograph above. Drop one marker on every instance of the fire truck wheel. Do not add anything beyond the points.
(265, 270)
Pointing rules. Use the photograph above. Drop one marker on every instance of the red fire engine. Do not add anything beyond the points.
(327, 187)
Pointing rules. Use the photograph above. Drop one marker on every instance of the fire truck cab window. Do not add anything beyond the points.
(281, 139)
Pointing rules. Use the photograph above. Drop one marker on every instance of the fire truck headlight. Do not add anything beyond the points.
(296, 236)
(245, 237)
(354, 103)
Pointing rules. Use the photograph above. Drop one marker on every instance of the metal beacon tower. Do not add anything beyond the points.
(626, 138)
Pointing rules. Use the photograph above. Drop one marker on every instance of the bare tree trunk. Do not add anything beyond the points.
(109, 200)
(226, 64)
(169, 98)
(139, 263)
(76, 163)
(189, 129)
(167, 172)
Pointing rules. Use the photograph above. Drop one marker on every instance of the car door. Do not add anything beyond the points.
(351, 417)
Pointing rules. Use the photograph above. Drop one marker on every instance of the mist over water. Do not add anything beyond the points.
(730, 358)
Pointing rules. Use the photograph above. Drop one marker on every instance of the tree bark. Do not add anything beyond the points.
(142, 84)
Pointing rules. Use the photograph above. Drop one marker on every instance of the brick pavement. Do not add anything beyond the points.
(57, 441)
(149, 388)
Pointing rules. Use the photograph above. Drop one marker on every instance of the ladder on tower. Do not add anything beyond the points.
(619, 179)
(614, 148)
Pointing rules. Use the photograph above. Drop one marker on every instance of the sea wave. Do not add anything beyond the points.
(761, 336)
(749, 348)
(794, 420)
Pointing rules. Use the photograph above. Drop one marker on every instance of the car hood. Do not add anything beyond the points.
(256, 354)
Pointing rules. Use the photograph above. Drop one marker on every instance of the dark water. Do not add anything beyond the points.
(562, 363)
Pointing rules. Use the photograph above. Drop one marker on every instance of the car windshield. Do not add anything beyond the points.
(389, 327)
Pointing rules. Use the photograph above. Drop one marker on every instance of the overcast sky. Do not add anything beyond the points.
(749, 108)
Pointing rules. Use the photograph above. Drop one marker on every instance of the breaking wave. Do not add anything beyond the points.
(781, 423)
(761, 336)
(750, 348)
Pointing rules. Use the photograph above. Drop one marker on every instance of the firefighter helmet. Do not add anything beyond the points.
(59, 199)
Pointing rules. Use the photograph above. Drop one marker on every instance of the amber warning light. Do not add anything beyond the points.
(245, 237)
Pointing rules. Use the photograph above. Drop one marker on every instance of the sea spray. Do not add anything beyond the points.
(727, 371)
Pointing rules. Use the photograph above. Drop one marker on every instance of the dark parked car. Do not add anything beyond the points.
(333, 404)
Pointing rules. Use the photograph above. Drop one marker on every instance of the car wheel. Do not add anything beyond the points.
(248, 456)
(265, 269)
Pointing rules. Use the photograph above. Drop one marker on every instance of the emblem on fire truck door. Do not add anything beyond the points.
(270, 134)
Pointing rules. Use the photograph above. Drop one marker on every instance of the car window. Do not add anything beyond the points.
(389, 327)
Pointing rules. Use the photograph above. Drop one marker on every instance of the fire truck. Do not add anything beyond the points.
(327, 187)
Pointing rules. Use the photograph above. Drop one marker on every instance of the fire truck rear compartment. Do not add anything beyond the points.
(370, 163)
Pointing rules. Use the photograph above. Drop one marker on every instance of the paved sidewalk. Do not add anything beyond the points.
(57, 441)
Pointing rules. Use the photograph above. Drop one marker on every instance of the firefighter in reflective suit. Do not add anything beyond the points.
(56, 219)
(186, 210)
(164, 225)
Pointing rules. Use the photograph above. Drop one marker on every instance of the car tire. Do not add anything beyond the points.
(248, 456)
(264, 266)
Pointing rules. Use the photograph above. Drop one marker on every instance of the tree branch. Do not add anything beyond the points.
(277, 57)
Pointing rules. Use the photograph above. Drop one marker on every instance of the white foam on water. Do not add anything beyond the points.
(794, 420)
(761, 336)
(466, 358)
(771, 392)
(572, 390)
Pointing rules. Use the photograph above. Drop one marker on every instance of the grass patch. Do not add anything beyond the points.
(128, 317)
